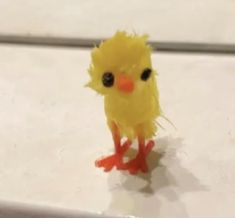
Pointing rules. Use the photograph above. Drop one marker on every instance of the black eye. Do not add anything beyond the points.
(108, 79)
(146, 74)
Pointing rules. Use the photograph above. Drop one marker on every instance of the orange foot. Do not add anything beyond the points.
(139, 163)
(114, 160)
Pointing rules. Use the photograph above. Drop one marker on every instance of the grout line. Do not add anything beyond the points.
(10, 209)
(88, 43)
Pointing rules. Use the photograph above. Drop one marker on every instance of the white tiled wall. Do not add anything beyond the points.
(164, 20)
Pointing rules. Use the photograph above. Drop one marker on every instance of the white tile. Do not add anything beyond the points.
(170, 20)
(52, 129)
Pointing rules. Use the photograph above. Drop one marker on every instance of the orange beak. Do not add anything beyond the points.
(125, 83)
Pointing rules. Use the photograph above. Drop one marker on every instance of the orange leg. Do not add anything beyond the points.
(117, 158)
(139, 162)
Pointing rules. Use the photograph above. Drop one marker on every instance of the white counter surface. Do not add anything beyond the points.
(52, 129)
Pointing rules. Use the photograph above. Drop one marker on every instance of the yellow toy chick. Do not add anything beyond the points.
(121, 70)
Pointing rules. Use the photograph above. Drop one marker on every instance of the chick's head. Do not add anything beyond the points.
(121, 65)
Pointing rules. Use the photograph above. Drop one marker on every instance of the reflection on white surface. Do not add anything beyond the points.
(160, 183)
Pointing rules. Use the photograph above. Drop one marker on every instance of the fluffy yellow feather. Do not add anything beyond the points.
(121, 71)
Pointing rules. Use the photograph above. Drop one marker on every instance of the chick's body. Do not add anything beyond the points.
(121, 71)
(141, 108)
